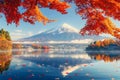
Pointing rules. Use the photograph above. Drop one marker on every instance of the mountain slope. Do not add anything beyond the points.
(63, 33)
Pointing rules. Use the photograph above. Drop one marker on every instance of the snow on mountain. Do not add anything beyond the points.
(64, 33)
(62, 29)
(67, 28)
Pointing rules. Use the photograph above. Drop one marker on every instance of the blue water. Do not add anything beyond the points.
(59, 65)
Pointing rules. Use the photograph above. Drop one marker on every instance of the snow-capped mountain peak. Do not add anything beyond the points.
(62, 33)
(63, 29)
(67, 28)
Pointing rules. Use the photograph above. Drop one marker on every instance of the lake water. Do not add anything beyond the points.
(59, 65)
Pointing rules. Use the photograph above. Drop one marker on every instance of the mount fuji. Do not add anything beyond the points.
(64, 33)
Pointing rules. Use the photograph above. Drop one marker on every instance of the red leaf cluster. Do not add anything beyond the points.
(10, 9)
(32, 13)
(96, 13)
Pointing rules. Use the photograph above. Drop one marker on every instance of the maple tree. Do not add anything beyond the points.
(96, 13)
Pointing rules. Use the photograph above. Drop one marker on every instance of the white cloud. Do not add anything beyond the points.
(19, 31)
(107, 35)
(30, 33)
(18, 34)
(15, 35)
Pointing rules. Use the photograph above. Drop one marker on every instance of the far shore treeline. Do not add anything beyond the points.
(104, 45)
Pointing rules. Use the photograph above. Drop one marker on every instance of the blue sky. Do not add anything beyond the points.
(26, 29)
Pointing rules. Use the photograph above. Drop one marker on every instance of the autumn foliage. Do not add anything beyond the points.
(105, 42)
(95, 12)
(5, 40)
(105, 58)
(29, 10)
(5, 59)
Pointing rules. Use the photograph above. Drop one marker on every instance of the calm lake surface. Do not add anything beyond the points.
(59, 65)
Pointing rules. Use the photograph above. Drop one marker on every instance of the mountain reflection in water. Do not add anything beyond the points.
(59, 65)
